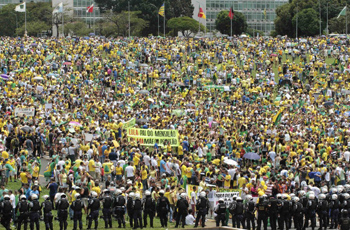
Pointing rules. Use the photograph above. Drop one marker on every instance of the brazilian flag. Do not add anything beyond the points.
(277, 118)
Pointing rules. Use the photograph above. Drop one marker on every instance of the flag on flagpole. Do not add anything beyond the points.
(265, 13)
(58, 9)
(231, 14)
(201, 13)
(90, 9)
(161, 10)
(21, 7)
(342, 12)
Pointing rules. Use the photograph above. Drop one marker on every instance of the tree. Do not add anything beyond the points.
(337, 25)
(120, 22)
(185, 25)
(308, 22)
(33, 28)
(78, 28)
(149, 10)
(223, 24)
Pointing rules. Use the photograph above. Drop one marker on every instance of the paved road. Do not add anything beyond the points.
(44, 162)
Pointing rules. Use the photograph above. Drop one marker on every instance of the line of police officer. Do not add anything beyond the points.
(332, 209)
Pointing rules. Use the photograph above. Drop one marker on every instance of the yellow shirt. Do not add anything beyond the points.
(96, 189)
(144, 174)
(36, 171)
(91, 165)
(227, 180)
(119, 171)
(24, 178)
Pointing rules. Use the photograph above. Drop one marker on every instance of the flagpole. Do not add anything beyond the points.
(158, 24)
(94, 22)
(25, 18)
(62, 23)
(129, 16)
(164, 18)
(231, 24)
(346, 20)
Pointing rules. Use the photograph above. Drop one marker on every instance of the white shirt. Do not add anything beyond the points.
(190, 219)
(129, 171)
(193, 198)
(13, 200)
(347, 156)
(147, 160)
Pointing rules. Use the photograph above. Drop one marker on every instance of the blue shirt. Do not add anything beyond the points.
(53, 189)
(162, 163)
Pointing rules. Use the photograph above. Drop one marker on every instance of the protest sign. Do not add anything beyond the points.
(29, 112)
(88, 136)
(129, 124)
(227, 196)
(150, 136)
(48, 106)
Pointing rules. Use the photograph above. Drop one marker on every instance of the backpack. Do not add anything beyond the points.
(120, 201)
(137, 205)
(233, 206)
(222, 208)
(251, 206)
(106, 169)
(162, 202)
(324, 205)
(6, 207)
(48, 206)
(148, 203)
(77, 205)
(239, 208)
(23, 206)
(181, 204)
(63, 204)
(286, 205)
(107, 202)
(36, 206)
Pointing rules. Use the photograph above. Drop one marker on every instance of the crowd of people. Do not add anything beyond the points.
(260, 116)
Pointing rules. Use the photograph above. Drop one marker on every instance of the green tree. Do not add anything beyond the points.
(223, 24)
(33, 28)
(120, 23)
(149, 10)
(78, 28)
(308, 22)
(337, 25)
(185, 25)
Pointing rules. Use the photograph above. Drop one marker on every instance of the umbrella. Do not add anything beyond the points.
(273, 55)
(34, 45)
(163, 78)
(5, 77)
(38, 78)
(328, 103)
(251, 156)
(190, 105)
(27, 129)
(344, 91)
(142, 120)
(161, 59)
(143, 91)
(74, 123)
(221, 104)
(67, 63)
(91, 34)
(230, 162)
(144, 65)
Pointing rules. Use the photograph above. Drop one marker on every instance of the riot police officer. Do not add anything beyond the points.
(62, 213)
(297, 213)
(163, 207)
(120, 207)
(106, 211)
(149, 209)
(334, 206)
(285, 212)
(34, 215)
(311, 212)
(94, 208)
(130, 209)
(322, 210)
(220, 211)
(202, 208)
(137, 207)
(232, 209)
(249, 212)
(77, 207)
(347, 202)
(344, 220)
(238, 218)
(46, 206)
(23, 208)
(182, 207)
(6, 209)
(262, 211)
(273, 212)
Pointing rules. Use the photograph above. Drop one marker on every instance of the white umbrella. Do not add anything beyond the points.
(230, 162)
(38, 78)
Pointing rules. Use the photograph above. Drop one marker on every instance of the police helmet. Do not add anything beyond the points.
(344, 212)
(311, 196)
(334, 190)
(202, 194)
(183, 195)
(239, 198)
(334, 196)
(347, 187)
(161, 192)
(285, 196)
(346, 196)
(296, 199)
(147, 193)
(279, 196)
(324, 190)
(322, 196)
(23, 197)
(137, 196)
(249, 197)
(77, 196)
(94, 194)
(132, 195)
(34, 197)
(302, 193)
(45, 197)
(117, 192)
(63, 196)
(221, 199)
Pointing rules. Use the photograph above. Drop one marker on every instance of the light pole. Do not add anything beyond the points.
(129, 16)
(157, 14)
(16, 21)
(327, 18)
(319, 8)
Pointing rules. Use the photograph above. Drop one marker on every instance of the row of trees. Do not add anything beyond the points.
(307, 12)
